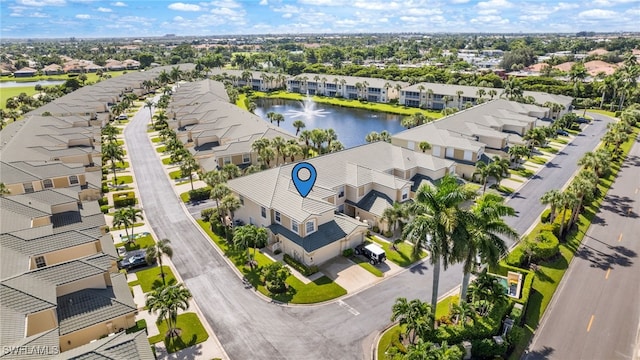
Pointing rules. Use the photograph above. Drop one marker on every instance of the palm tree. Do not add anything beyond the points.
(247, 236)
(583, 185)
(175, 74)
(393, 214)
(121, 218)
(270, 116)
(134, 214)
(4, 190)
(415, 316)
(461, 312)
(372, 137)
(569, 200)
(554, 198)
(385, 136)
(331, 136)
(161, 119)
(218, 192)
(435, 224)
(150, 104)
(485, 225)
(230, 203)
(484, 171)
(424, 146)
(298, 124)
(109, 133)
(114, 153)
(156, 252)
(167, 301)
(188, 166)
(409, 122)
(231, 171)
(278, 144)
(517, 152)
(492, 93)
(500, 168)
(597, 161)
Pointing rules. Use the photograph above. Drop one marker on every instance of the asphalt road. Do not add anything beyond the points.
(249, 327)
(595, 313)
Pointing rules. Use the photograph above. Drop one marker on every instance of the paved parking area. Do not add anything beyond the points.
(348, 274)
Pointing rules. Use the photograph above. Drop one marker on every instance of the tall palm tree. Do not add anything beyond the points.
(167, 301)
(583, 185)
(161, 119)
(113, 153)
(154, 253)
(484, 171)
(278, 144)
(569, 200)
(298, 124)
(149, 104)
(392, 214)
(554, 198)
(109, 133)
(485, 225)
(231, 171)
(121, 218)
(597, 161)
(218, 192)
(435, 224)
(134, 214)
(188, 166)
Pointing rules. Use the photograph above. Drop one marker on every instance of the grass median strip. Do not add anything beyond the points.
(191, 333)
(402, 255)
(366, 265)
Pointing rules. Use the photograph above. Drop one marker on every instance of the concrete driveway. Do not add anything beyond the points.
(348, 274)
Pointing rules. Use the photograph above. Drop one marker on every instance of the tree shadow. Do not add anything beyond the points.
(619, 255)
(551, 164)
(542, 276)
(541, 354)
(158, 282)
(419, 268)
(620, 205)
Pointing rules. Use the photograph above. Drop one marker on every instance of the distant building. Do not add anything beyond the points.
(25, 72)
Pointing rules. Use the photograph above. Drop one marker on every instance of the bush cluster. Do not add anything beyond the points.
(206, 214)
(545, 246)
(303, 269)
(546, 215)
(199, 194)
(124, 199)
(347, 253)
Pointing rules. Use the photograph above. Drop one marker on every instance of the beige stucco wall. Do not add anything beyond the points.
(68, 254)
(84, 336)
(323, 254)
(492, 142)
(92, 282)
(41, 221)
(15, 189)
(41, 321)
(70, 206)
(252, 209)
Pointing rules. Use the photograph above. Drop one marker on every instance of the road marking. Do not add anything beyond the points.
(620, 237)
(348, 307)
(608, 271)
(590, 322)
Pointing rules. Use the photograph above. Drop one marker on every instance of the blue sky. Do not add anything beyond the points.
(93, 18)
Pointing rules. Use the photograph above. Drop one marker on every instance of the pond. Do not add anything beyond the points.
(11, 84)
(351, 125)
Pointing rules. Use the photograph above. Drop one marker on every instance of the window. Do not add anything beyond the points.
(73, 179)
(449, 152)
(226, 160)
(405, 194)
(468, 155)
(310, 227)
(246, 158)
(251, 221)
(40, 262)
(241, 198)
(294, 226)
(28, 187)
(341, 208)
(277, 217)
(435, 151)
(341, 191)
(411, 145)
(47, 183)
(263, 212)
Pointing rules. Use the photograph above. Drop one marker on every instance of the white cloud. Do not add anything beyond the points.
(377, 5)
(487, 12)
(178, 18)
(287, 16)
(39, 15)
(323, 2)
(494, 4)
(104, 10)
(83, 16)
(423, 11)
(413, 19)
(184, 7)
(533, 17)
(493, 19)
(287, 9)
(459, 1)
(41, 3)
(565, 6)
(226, 4)
(598, 14)
(264, 2)
(611, 2)
(119, 4)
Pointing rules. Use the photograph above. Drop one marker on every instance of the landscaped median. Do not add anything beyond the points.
(319, 290)
(401, 254)
(191, 333)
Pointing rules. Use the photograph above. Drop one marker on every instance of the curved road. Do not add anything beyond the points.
(249, 327)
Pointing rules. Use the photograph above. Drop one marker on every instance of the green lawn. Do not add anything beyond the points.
(403, 256)
(167, 161)
(156, 139)
(122, 227)
(525, 173)
(139, 326)
(192, 333)
(161, 149)
(549, 149)
(365, 265)
(504, 190)
(538, 160)
(177, 174)
(125, 179)
(122, 165)
(559, 141)
(184, 197)
(11, 92)
(139, 243)
(91, 77)
(603, 112)
(372, 106)
(150, 278)
(320, 290)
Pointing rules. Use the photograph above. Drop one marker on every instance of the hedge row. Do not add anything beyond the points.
(200, 194)
(303, 269)
(124, 199)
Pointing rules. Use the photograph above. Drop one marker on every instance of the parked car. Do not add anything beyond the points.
(373, 252)
(581, 120)
(562, 132)
(122, 117)
(133, 260)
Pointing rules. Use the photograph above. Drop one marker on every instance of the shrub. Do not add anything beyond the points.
(302, 268)
(487, 349)
(515, 335)
(516, 257)
(545, 246)
(104, 209)
(124, 199)
(206, 214)
(387, 234)
(199, 194)
(618, 113)
(546, 215)
(347, 253)
(275, 276)
(103, 201)
(375, 229)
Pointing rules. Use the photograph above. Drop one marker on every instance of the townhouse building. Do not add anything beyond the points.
(352, 189)
(348, 87)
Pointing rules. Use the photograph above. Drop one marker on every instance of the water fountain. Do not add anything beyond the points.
(308, 110)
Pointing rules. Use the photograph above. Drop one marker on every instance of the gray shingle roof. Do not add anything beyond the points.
(327, 233)
(92, 306)
(47, 341)
(119, 346)
(375, 202)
